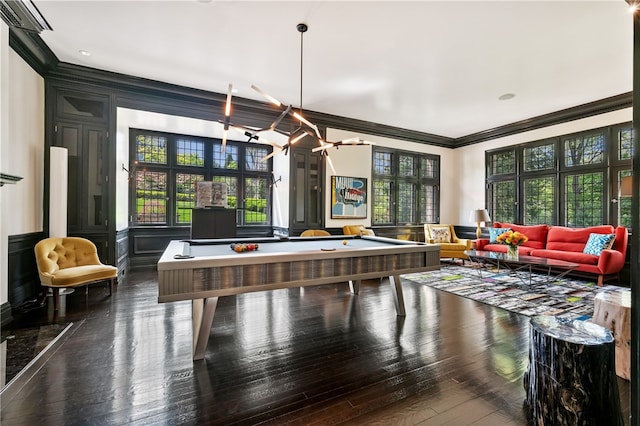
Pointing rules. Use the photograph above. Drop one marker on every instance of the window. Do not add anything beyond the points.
(582, 150)
(540, 194)
(405, 188)
(168, 166)
(583, 194)
(564, 181)
(501, 186)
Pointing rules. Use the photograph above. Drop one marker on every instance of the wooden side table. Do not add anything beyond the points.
(571, 377)
(612, 309)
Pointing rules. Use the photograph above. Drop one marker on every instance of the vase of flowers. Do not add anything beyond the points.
(512, 239)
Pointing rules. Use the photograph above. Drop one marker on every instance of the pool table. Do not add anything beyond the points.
(203, 270)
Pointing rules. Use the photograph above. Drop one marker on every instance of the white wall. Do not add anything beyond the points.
(470, 159)
(128, 118)
(21, 150)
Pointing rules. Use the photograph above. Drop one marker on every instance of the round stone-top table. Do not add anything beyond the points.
(571, 377)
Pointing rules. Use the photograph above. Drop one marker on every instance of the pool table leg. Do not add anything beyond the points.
(398, 296)
(354, 286)
(202, 317)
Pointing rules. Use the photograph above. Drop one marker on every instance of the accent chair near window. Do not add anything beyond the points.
(445, 236)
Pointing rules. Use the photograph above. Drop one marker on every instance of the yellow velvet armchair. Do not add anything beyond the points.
(315, 233)
(71, 262)
(356, 230)
(445, 236)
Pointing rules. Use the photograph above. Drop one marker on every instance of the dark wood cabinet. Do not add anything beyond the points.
(213, 223)
(306, 198)
(80, 123)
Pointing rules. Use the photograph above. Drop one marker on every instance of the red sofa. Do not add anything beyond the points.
(560, 242)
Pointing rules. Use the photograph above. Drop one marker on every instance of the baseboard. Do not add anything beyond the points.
(5, 314)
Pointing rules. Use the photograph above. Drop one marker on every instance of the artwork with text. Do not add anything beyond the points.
(348, 197)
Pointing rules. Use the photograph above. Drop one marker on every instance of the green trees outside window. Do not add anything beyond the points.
(405, 187)
(167, 168)
(571, 180)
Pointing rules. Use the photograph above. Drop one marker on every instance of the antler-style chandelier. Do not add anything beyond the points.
(305, 128)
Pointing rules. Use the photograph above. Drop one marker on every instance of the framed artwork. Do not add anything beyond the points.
(348, 197)
(211, 194)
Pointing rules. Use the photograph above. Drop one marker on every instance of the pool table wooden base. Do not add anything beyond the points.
(202, 272)
(203, 311)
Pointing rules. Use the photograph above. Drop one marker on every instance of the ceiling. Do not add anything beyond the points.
(428, 66)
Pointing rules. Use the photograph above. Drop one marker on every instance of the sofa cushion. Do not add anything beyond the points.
(573, 239)
(441, 234)
(537, 234)
(567, 256)
(598, 242)
(494, 232)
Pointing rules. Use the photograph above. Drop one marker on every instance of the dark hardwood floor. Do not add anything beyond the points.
(317, 355)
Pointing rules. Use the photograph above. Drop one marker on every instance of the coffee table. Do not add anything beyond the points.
(555, 268)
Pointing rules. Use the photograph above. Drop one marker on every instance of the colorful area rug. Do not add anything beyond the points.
(566, 297)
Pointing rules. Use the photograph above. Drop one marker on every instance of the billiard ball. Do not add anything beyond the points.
(344, 242)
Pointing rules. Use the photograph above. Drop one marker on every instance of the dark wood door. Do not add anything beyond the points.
(306, 199)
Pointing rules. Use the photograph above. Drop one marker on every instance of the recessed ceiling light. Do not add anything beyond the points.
(507, 96)
(84, 52)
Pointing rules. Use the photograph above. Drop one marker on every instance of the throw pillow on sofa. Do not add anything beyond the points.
(495, 232)
(441, 235)
(598, 242)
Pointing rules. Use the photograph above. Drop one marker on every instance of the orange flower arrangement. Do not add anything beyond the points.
(512, 238)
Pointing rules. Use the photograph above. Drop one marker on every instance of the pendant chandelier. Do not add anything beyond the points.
(304, 129)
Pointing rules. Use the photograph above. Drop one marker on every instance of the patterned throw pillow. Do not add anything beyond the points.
(441, 235)
(494, 232)
(598, 242)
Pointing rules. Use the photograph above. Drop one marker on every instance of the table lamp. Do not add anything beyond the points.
(479, 216)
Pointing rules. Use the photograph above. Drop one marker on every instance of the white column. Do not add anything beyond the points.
(58, 182)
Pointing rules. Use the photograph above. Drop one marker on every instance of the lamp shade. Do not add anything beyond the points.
(480, 215)
(626, 186)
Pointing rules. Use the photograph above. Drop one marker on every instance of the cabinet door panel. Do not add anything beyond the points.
(87, 207)
(95, 206)
(307, 205)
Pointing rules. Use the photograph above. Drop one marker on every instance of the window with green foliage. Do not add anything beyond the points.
(566, 180)
(502, 196)
(583, 194)
(502, 163)
(405, 187)
(582, 150)
(151, 149)
(501, 189)
(151, 195)
(168, 166)
(540, 193)
(185, 195)
(541, 157)
(624, 202)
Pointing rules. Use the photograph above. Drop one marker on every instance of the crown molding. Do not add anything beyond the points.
(32, 50)
(138, 92)
(602, 106)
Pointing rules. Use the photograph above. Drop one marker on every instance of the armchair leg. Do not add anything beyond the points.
(112, 286)
(56, 298)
